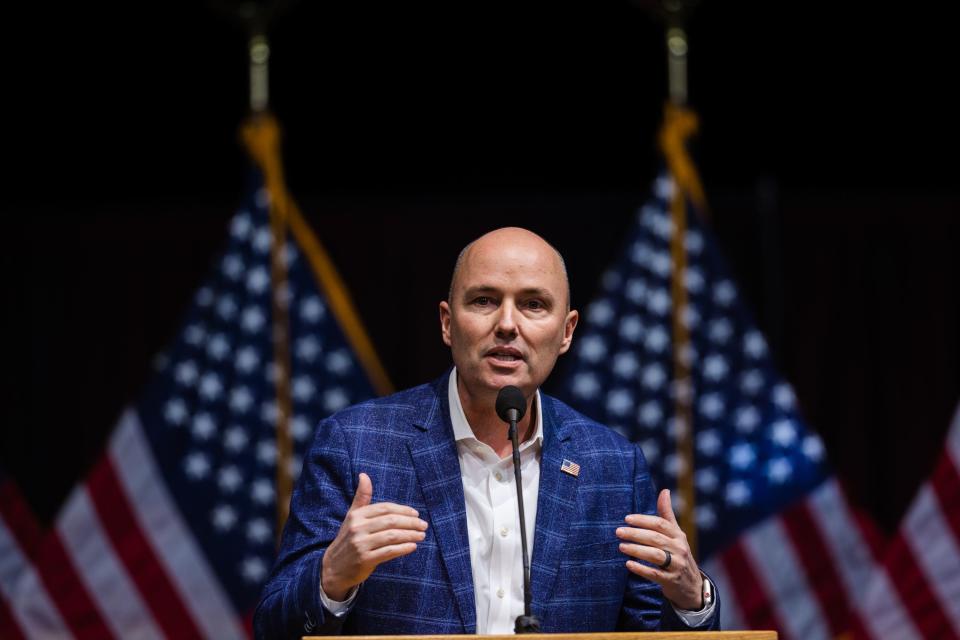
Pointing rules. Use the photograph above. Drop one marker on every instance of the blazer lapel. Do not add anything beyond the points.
(435, 461)
(555, 506)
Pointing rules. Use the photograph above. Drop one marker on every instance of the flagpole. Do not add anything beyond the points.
(275, 190)
(678, 125)
(261, 136)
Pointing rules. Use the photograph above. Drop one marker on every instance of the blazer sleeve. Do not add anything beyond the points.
(644, 606)
(290, 604)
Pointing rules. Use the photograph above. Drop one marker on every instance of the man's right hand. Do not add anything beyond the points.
(370, 534)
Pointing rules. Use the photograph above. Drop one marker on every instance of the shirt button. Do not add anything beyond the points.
(500, 593)
(503, 532)
(498, 476)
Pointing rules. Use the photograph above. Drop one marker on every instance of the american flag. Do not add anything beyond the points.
(570, 467)
(173, 531)
(916, 592)
(774, 529)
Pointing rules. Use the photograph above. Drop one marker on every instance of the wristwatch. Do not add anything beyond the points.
(706, 593)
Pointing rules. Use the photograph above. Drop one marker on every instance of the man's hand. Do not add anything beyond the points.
(649, 538)
(370, 534)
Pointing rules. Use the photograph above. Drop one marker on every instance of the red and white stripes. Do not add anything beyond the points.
(26, 607)
(799, 571)
(816, 570)
(166, 538)
(120, 561)
(916, 593)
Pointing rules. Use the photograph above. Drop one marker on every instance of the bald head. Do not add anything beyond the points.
(508, 318)
(509, 239)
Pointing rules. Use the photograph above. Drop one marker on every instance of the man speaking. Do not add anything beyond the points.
(405, 518)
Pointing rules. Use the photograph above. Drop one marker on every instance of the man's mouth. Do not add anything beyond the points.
(505, 355)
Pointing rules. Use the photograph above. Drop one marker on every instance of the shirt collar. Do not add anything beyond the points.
(462, 429)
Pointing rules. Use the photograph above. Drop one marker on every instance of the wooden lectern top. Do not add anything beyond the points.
(631, 635)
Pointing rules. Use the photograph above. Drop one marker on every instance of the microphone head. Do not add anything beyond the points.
(509, 398)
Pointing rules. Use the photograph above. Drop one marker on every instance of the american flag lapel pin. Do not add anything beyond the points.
(570, 467)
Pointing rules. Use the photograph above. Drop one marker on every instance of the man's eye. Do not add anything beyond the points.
(482, 301)
(535, 304)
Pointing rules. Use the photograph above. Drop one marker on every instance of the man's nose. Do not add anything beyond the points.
(507, 319)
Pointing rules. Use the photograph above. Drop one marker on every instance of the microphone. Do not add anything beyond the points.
(511, 405)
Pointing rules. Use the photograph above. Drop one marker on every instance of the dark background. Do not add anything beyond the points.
(827, 149)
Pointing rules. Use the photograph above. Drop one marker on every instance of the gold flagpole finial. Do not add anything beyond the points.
(674, 13)
(259, 52)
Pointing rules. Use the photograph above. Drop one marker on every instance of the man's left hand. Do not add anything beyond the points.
(649, 538)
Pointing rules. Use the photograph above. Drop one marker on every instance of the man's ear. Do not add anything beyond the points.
(573, 316)
(445, 322)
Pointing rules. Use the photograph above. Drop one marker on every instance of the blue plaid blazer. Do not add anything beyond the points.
(405, 443)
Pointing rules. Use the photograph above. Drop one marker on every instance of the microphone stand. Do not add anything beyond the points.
(527, 623)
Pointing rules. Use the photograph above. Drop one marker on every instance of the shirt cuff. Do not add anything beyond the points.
(693, 618)
(337, 608)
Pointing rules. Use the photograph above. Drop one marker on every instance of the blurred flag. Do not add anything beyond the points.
(174, 529)
(21, 588)
(916, 592)
(770, 523)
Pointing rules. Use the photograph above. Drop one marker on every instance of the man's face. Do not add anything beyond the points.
(507, 320)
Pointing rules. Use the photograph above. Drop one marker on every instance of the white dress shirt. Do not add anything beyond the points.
(493, 523)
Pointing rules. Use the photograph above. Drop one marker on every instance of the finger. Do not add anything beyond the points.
(384, 554)
(645, 536)
(648, 572)
(394, 521)
(364, 493)
(665, 508)
(392, 537)
(652, 555)
(385, 508)
(654, 523)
